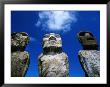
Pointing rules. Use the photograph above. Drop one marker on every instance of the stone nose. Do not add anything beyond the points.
(52, 38)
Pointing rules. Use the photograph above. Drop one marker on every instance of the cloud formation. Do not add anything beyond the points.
(56, 20)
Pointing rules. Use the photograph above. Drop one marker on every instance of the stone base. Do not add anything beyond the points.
(90, 61)
(19, 63)
(55, 65)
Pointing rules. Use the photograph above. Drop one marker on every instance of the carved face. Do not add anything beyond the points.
(19, 39)
(52, 40)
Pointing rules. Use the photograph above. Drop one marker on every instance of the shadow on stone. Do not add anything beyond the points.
(88, 41)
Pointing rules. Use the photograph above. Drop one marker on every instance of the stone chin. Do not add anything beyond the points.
(52, 50)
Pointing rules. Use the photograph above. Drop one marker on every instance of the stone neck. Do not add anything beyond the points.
(52, 50)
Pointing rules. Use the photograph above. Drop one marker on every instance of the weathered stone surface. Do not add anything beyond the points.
(19, 41)
(88, 41)
(90, 61)
(52, 40)
(53, 65)
(19, 63)
(19, 57)
(53, 62)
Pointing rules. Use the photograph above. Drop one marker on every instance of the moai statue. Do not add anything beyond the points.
(53, 62)
(90, 56)
(19, 57)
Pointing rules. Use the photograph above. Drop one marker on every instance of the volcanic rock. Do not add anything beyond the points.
(19, 63)
(19, 57)
(90, 61)
(53, 65)
(19, 41)
(53, 62)
(88, 41)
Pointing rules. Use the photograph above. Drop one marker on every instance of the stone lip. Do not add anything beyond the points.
(87, 40)
(90, 61)
(53, 65)
(19, 41)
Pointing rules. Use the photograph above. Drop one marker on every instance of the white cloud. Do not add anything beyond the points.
(56, 20)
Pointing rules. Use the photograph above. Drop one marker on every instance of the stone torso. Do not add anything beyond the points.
(53, 65)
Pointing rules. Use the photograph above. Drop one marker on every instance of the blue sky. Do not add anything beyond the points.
(67, 24)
